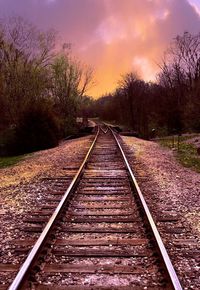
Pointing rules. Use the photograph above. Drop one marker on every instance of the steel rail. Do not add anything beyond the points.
(104, 131)
(32, 256)
(165, 257)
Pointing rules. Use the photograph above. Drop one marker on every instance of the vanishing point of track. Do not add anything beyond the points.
(101, 235)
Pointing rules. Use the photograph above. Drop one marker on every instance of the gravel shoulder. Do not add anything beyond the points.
(23, 189)
(16, 181)
(169, 188)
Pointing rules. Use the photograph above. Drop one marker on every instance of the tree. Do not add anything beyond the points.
(180, 76)
(25, 54)
(135, 90)
(70, 81)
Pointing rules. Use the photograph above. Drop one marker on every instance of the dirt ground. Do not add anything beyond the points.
(170, 188)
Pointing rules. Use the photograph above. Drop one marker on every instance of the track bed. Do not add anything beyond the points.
(102, 239)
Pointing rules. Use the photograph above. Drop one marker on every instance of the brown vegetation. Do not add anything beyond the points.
(170, 105)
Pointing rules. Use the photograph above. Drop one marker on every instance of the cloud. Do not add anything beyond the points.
(113, 36)
(196, 5)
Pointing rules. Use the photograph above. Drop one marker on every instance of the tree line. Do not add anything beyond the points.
(170, 105)
(41, 88)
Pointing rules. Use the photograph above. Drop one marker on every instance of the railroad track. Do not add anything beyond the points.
(101, 235)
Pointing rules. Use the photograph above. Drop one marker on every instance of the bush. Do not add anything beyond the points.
(37, 129)
(7, 142)
(70, 126)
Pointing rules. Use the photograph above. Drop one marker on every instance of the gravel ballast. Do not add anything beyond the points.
(24, 187)
(169, 188)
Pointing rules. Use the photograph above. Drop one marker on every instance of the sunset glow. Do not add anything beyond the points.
(112, 36)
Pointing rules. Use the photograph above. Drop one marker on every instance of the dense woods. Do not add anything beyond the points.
(41, 88)
(171, 105)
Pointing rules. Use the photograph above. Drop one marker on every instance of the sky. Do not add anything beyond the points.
(113, 36)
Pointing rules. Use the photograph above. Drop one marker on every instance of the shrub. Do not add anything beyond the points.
(7, 141)
(70, 126)
(37, 129)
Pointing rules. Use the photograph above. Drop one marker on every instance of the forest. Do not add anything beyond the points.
(43, 89)
(171, 105)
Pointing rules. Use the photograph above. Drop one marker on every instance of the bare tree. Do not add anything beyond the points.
(36, 46)
(71, 81)
(180, 75)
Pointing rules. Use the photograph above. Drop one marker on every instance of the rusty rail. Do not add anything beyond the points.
(24, 270)
(34, 253)
(163, 252)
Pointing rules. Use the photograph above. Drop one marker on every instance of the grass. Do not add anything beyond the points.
(11, 160)
(5, 137)
(187, 153)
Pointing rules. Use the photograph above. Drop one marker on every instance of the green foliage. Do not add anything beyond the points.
(187, 153)
(10, 161)
(40, 91)
(188, 156)
(69, 82)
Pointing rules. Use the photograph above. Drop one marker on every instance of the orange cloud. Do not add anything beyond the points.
(113, 36)
(133, 36)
